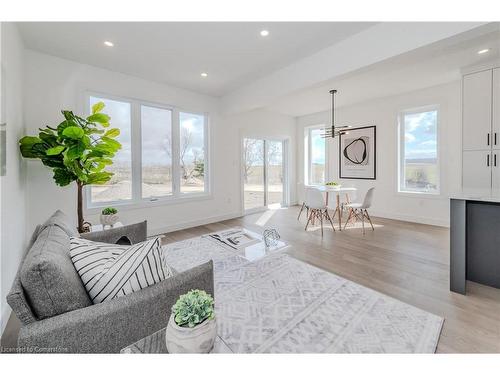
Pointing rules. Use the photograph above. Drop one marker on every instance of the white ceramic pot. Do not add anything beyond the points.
(199, 339)
(109, 219)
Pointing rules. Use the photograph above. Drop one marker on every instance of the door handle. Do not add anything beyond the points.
(495, 139)
(488, 160)
(495, 160)
(488, 139)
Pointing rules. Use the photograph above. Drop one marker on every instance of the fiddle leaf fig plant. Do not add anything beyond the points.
(78, 150)
(193, 308)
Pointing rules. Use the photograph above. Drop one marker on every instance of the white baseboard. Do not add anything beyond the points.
(411, 218)
(191, 224)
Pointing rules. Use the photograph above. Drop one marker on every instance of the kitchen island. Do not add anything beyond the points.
(474, 238)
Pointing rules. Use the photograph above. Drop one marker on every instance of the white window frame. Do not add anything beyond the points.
(308, 154)
(401, 148)
(137, 201)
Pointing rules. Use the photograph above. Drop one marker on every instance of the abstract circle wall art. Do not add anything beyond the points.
(357, 153)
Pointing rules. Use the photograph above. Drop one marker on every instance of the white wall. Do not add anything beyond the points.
(13, 209)
(264, 124)
(52, 84)
(383, 113)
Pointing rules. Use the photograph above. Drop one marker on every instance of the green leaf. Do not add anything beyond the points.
(112, 133)
(53, 161)
(115, 145)
(27, 147)
(98, 107)
(104, 161)
(63, 177)
(95, 131)
(55, 150)
(86, 141)
(99, 178)
(76, 151)
(104, 149)
(73, 132)
(100, 118)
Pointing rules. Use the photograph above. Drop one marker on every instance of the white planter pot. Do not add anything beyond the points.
(109, 219)
(199, 339)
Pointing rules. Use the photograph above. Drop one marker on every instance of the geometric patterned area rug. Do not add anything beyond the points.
(279, 304)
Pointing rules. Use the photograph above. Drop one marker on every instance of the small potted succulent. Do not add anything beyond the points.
(109, 216)
(333, 184)
(191, 327)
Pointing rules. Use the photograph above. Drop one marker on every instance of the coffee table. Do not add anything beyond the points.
(155, 344)
(254, 251)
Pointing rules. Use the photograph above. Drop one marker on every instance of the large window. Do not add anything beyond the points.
(418, 151)
(192, 152)
(163, 155)
(315, 155)
(119, 188)
(156, 137)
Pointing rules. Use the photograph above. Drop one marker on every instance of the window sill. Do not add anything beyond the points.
(418, 194)
(137, 205)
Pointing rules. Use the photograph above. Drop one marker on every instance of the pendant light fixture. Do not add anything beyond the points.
(334, 130)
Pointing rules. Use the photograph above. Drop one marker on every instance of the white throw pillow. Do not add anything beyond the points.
(109, 271)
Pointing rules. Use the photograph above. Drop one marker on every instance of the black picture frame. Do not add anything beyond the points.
(342, 174)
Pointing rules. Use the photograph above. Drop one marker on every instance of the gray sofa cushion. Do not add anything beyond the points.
(49, 279)
(16, 298)
(60, 219)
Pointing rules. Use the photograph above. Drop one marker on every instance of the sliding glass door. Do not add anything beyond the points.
(263, 174)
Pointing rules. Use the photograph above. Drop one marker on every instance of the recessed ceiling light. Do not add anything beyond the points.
(108, 43)
(264, 33)
(483, 51)
(204, 75)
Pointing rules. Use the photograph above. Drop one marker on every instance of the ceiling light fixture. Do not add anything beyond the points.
(264, 33)
(483, 51)
(108, 43)
(204, 75)
(334, 130)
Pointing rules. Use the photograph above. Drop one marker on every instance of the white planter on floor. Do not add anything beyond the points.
(199, 339)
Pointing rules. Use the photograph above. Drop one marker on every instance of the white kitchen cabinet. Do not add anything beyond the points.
(496, 109)
(477, 169)
(495, 169)
(477, 104)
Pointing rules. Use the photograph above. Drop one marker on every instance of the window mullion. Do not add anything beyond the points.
(136, 152)
(176, 177)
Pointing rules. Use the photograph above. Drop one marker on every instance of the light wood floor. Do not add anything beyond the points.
(407, 261)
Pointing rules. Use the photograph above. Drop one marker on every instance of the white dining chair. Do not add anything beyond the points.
(359, 210)
(304, 206)
(315, 202)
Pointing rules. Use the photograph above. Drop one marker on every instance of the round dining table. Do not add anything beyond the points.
(336, 190)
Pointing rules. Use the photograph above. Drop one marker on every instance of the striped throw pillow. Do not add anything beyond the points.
(109, 271)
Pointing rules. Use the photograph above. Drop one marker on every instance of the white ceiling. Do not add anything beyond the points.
(233, 54)
(428, 66)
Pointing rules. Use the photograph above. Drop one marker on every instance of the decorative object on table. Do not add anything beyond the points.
(333, 184)
(87, 227)
(236, 238)
(192, 327)
(78, 149)
(358, 153)
(109, 216)
(334, 130)
(271, 237)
